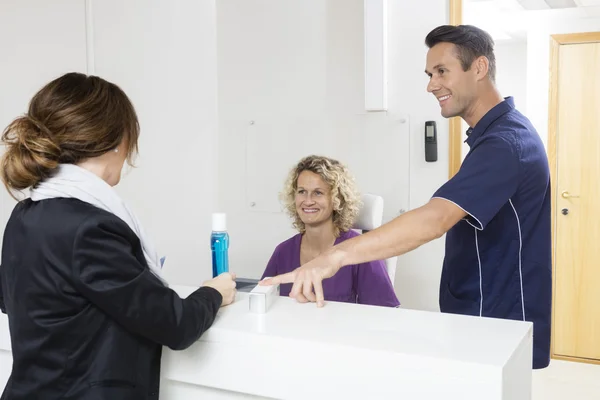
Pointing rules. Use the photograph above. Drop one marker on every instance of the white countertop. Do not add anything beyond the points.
(425, 334)
(343, 351)
(351, 351)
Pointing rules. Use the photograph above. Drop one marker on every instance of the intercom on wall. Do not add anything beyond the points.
(430, 141)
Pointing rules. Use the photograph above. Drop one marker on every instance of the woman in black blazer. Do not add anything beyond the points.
(88, 310)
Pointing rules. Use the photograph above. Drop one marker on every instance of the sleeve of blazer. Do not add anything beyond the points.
(108, 273)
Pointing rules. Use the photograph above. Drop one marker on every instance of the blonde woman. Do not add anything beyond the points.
(321, 199)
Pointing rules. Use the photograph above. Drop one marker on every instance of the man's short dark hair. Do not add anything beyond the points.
(470, 41)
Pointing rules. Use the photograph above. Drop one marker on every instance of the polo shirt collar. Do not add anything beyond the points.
(496, 112)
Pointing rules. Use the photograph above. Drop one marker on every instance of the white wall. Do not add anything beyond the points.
(40, 40)
(511, 71)
(291, 77)
(418, 275)
(163, 54)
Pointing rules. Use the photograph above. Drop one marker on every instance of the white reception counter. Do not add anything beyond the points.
(343, 351)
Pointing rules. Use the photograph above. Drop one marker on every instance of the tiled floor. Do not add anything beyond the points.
(564, 380)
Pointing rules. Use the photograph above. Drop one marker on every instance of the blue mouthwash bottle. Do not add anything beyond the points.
(219, 244)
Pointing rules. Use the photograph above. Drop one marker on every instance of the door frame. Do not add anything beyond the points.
(555, 42)
(454, 123)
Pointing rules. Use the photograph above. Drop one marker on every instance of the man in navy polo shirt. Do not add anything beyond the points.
(495, 211)
(498, 258)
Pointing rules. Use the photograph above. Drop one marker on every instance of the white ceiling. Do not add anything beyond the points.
(508, 20)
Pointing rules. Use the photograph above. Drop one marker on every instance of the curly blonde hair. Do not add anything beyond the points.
(345, 197)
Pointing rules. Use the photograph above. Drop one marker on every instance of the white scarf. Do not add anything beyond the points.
(72, 181)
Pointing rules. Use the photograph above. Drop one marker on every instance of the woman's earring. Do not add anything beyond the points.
(116, 150)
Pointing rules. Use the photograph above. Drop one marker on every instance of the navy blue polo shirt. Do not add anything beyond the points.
(498, 258)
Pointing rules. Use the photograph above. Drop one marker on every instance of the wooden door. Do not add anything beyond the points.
(576, 130)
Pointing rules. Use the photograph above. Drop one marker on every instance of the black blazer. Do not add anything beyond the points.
(87, 317)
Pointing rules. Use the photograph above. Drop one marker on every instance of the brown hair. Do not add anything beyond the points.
(471, 43)
(72, 118)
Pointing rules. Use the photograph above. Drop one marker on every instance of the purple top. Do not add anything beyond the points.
(367, 283)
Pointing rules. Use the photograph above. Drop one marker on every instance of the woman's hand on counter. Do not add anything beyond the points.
(308, 279)
(225, 284)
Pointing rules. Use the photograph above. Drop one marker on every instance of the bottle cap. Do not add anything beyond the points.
(219, 222)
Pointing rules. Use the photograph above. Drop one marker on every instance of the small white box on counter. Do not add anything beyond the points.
(262, 298)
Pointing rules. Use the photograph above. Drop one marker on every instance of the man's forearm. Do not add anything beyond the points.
(399, 236)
